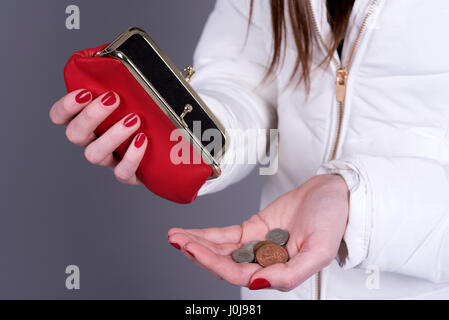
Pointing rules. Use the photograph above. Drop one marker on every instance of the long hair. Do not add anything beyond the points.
(301, 20)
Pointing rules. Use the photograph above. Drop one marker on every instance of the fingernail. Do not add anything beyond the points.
(190, 253)
(140, 140)
(130, 120)
(109, 99)
(83, 97)
(259, 283)
(177, 246)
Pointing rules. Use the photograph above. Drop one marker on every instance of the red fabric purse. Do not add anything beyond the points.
(101, 73)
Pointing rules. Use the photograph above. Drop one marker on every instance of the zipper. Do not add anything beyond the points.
(341, 81)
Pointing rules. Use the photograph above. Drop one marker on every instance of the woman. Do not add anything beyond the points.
(363, 177)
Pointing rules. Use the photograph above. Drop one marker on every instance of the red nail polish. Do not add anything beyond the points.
(259, 283)
(177, 246)
(190, 253)
(140, 140)
(130, 120)
(83, 97)
(109, 99)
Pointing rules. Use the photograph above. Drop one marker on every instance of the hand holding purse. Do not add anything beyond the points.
(151, 86)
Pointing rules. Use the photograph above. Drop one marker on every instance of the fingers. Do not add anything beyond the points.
(238, 274)
(182, 238)
(109, 161)
(179, 239)
(231, 234)
(83, 116)
(212, 248)
(285, 277)
(125, 171)
(105, 145)
(80, 130)
(255, 228)
(70, 105)
(191, 256)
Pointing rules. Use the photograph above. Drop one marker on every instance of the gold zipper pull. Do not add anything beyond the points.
(342, 75)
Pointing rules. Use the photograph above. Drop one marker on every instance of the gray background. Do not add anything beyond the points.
(55, 208)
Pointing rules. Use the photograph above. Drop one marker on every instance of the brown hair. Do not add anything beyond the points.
(301, 19)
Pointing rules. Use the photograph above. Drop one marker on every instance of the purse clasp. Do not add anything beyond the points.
(188, 73)
(187, 109)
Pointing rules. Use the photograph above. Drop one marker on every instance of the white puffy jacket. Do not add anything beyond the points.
(393, 149)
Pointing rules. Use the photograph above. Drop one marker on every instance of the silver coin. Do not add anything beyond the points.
(243, 255)
(250, 245)
(278, 236)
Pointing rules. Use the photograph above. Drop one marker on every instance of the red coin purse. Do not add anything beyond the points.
(151, 86)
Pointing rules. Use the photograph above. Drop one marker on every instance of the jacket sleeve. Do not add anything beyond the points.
(399, 215)
(230, 65)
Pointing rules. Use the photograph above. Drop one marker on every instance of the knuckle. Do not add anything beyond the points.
(133, 156)
(90, 115)
(52, 115)
(107, 161)
(253, 220)
(121, 174)
(92, 155)
(287, 284)
(235, 280)
(285, 289)
(67, 106)
(73, 135)
(115, 134)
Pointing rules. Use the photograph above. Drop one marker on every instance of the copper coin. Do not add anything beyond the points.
(271, 253)
(260, 244)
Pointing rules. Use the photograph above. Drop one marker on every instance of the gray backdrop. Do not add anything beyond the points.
(55, 208)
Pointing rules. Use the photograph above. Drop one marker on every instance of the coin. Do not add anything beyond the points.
(278, 236)
(271, 253)
(260, 244)
(243, 255)
(250, 245)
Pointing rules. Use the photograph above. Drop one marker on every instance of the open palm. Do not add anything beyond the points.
(315, 214)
